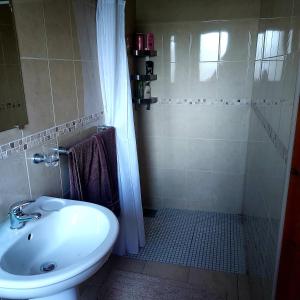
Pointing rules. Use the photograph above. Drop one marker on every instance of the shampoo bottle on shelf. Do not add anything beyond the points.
(140, 89)
(147, 90)
(149, 67)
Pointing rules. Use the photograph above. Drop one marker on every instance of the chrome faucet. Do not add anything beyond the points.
(18, 218)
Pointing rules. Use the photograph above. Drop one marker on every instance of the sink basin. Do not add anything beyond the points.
(48, 258)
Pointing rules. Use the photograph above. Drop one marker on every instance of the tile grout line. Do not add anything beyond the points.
(48, 63)
(27, 171)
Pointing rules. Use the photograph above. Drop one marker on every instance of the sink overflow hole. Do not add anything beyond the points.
(48, 267)
(29, 236)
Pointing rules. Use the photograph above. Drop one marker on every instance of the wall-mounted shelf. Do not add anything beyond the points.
(144, 53)
(147, 102)
(139, 77)
(142, 80)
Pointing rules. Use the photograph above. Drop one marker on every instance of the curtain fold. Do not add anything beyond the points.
(117, 102)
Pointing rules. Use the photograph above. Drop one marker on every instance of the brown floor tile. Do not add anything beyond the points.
(90, 292)
(218, 281)
(243, 287)
(127, 264)
(99, 278)
(169, 271)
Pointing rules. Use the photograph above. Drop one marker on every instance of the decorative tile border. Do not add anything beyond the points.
(11, 106)
(204, 101)
(267, 102)
(278, 144)
(41, 137)
(209, 101)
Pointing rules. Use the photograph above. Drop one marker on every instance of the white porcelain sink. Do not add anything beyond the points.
(48, 258)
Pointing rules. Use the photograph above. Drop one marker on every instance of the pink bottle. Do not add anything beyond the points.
(149, 41)
(139, 41)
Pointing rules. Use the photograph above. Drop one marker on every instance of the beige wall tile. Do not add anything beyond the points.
(38, 95)
(58, 29)
(80, 90)
(229, 156)
(83, 20)
(153, 203)
(204, 80)
(296, 11)
(199, 191)
(150, 152)
(174, 184)
(232, 80)
(174, 153)
(44, 181)
(80, 37)
(150, 122)
(29, 17)
(152, 182)
(14, 184)
(276, 8)
(88, 87)
(175, 203)
(231, 122)
(199, 154)
(200, 121)
(174, 121)
(160, 152)
(170, 11)
(64, 93)
(10, 135)
(228, 192)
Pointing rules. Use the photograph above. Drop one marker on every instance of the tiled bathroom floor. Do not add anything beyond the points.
(130, 279)
(212, 241)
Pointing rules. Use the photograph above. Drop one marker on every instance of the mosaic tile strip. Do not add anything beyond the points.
(205, 240)
(11, 106)
(204, 101)
(42, 137)
(267, 102)
(278, 144)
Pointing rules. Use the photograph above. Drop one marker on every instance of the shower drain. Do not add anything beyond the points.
(48, 267)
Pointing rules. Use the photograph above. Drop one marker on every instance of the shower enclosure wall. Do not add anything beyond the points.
(219, 138)
(193, 143)
(274, 105)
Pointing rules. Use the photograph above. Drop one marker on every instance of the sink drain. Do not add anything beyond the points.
(48, 267)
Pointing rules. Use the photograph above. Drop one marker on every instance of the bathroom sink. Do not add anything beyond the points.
(49, 257)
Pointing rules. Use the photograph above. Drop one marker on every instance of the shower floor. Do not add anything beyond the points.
(206, 240)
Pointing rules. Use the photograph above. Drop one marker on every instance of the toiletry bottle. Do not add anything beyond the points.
(139, 41)
(149, 67)
(147, 90)
(140, 90)
(149, 41)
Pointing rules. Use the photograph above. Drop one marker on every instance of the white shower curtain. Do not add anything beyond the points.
(117, 100)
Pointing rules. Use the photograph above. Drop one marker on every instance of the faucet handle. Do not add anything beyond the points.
(18, 206)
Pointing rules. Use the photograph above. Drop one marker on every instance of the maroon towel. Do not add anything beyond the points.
(93, 170)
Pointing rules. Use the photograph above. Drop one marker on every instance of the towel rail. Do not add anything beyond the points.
(65, 151)
(42, 157)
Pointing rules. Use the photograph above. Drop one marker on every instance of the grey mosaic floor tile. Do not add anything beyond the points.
(199, 239)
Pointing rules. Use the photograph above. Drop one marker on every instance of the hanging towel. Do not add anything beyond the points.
(93, 170)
